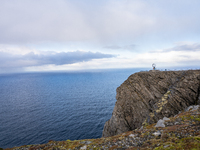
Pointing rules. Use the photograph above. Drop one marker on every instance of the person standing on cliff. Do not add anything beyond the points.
(154, 66)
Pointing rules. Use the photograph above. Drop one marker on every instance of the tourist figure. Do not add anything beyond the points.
(154, 66)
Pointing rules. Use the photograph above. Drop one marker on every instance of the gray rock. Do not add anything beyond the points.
(165, 118)
(166, 146)
(83, 147)
(146, 97)
(86, 142)
(141, 128)
(157, 133)
(160, 123)
(132, 135)
(194, 107)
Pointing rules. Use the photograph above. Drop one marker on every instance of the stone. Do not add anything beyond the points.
(83, 147)
(141, 128)
(157, 133)
(86, 142)
(160, 123)
(132, 135)
(166, 146)
(191, 108)
(146, 97)
(165, 118)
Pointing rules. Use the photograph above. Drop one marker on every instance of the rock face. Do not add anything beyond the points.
(146, 97)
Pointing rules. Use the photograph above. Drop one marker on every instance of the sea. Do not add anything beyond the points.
(38, 107)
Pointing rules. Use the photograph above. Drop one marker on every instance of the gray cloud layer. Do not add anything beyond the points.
(17, 61)
(184, 47)
(32, 21)
(126, 47)
(181, 47)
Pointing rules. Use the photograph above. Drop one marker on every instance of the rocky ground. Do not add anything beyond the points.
(179, 132)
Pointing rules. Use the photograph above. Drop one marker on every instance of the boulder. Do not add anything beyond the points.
(146, 97)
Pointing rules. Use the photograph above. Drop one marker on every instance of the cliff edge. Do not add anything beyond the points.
(146, 97)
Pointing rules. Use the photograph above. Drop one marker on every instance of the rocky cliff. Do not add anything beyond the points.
(146, 97)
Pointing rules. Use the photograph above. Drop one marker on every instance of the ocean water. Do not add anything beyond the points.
(38, 107)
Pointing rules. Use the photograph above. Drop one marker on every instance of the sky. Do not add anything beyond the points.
(68, 35)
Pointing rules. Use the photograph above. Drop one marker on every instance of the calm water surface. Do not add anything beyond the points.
(38, 107)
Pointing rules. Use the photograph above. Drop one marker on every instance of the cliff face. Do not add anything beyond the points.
(146, 97)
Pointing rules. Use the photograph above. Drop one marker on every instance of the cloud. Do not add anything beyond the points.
(126, 47)
(113, 47)
(184, 47)
(31, 59)
(33, 21)
(66, 20)
(181, 47)
(23, 21)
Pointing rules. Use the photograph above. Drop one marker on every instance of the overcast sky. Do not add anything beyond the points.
(50, 35)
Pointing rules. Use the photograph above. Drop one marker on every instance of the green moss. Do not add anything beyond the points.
(197, 119)
(177, 144)
(159, 148)
(192, 117)
(182, 118)
(197, 138)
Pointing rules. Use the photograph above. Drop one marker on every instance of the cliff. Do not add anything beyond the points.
(146, 97)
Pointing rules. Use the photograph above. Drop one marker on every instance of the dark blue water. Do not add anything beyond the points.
(38, 107)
